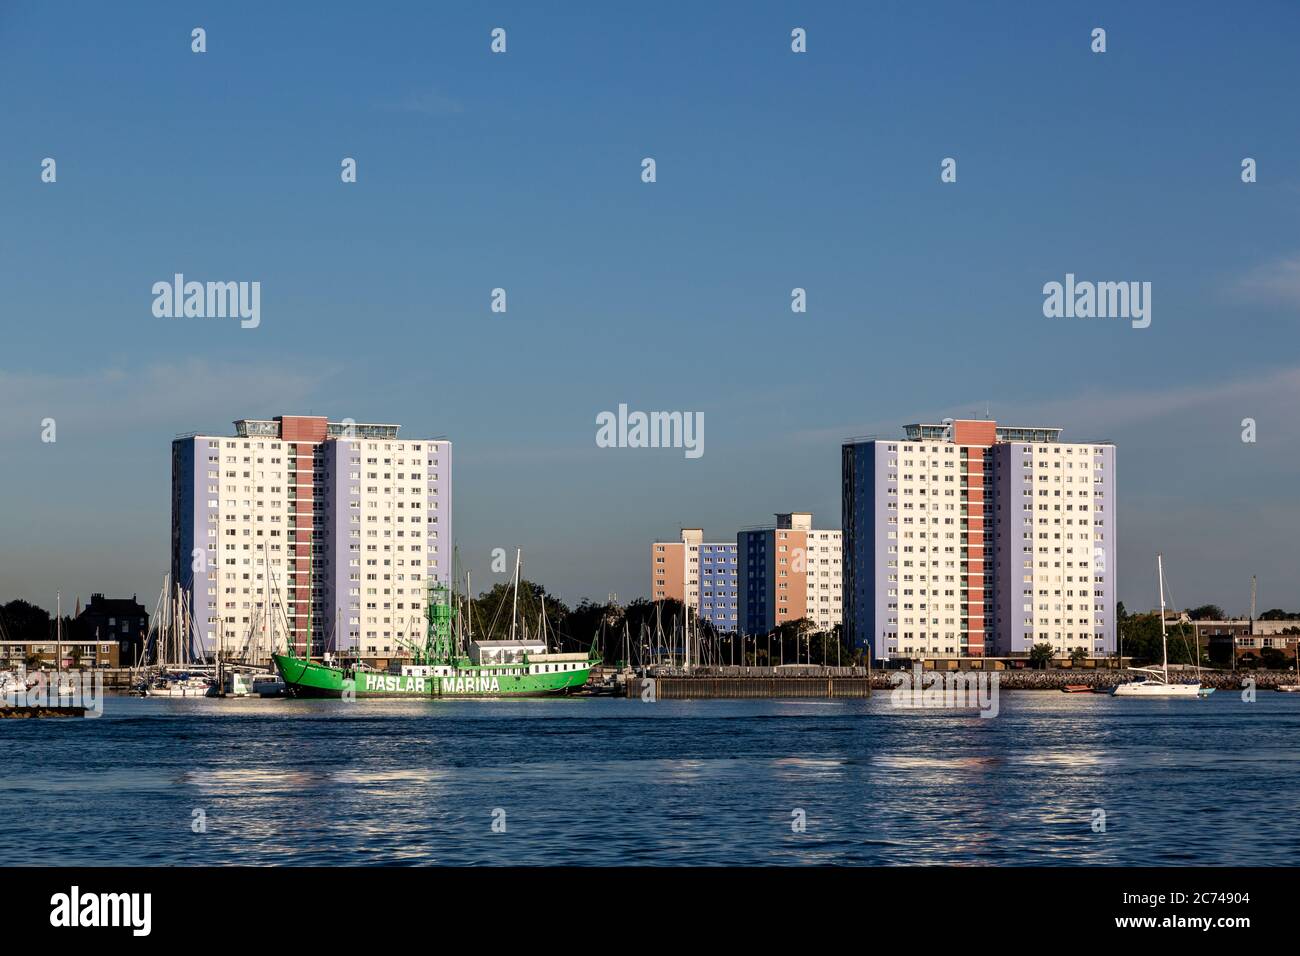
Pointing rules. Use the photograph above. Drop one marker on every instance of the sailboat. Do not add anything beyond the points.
(1155, 680)
(173, 658)
(63, 685)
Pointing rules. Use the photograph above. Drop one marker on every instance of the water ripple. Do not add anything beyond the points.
(585, 782)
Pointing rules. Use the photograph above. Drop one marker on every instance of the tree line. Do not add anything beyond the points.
(603, 626)
(21, 621)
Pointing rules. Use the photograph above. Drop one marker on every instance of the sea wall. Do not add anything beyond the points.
(737, 683)
(1058, 678)
(733, 683)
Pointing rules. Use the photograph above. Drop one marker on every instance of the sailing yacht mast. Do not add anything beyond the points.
(1164, 645)
(178, 620)
(307, 642)
(688, 637)
(266, 610)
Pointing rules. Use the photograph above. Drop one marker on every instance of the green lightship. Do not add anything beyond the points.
(436, 670)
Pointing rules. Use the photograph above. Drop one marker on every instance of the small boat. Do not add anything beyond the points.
(267, 685)
(246, 684)
(12, 684)
(62, 684)
(1154, 681)
(58, 685)
(181, 685)
(238, 684)
(1077, 689)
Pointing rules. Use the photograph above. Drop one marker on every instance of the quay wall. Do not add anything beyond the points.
(1058, 679)
(735, 683)
(743, 688)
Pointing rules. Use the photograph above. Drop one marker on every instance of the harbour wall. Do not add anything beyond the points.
(743, 688)
(1105, 679)
(742, 683)
(736, 683)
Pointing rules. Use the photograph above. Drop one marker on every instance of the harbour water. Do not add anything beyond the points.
(615, 781)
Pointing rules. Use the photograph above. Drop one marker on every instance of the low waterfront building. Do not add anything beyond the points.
(701, 574)
(1243, 641)
(790, 571)
(76, 653)
(1260, 626)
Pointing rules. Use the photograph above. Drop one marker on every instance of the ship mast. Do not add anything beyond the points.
(514, 607)
(543, 624)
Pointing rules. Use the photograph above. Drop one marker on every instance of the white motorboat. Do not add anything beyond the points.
(251, 684)
(238, 684)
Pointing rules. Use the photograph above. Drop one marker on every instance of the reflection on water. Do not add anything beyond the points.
(1077, 759)
(914, 763)
(692, 782)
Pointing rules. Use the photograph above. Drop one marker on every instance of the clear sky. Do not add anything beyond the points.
(775, 170)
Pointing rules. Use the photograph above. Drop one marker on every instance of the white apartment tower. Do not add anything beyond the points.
(298, 524)
(968, 538)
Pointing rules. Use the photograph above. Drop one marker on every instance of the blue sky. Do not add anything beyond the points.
(775, 170)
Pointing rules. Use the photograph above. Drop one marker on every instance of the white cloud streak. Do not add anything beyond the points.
(115, 400)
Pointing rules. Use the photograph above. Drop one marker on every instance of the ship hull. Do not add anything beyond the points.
(316, 680)
(1153, 689)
